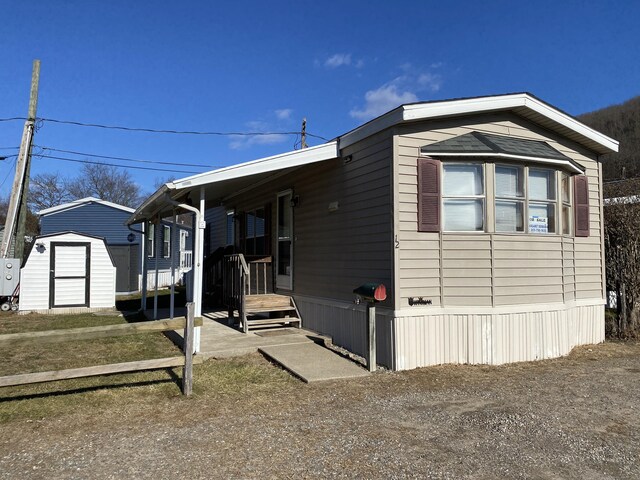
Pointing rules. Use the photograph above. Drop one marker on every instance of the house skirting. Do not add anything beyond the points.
(408, 339)
(496, 336)
(346, 324)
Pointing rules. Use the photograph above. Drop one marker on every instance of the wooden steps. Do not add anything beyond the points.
(269, 310)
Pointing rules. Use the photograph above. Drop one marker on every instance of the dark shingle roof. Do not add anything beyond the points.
(484, 143)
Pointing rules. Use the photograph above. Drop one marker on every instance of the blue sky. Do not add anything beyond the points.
(263, 66)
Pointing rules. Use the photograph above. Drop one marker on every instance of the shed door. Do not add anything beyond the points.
(69, 274)
(121, 255)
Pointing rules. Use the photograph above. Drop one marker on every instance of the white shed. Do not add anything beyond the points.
(67, 272)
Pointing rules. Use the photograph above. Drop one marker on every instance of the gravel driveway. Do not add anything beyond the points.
(575, 417)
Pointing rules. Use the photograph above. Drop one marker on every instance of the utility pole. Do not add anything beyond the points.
(17, 212)
(303, 134)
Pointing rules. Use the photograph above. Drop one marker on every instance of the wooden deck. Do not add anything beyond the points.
(219, 340)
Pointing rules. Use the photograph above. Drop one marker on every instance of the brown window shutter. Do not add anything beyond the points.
(581, 200)
(428, 195)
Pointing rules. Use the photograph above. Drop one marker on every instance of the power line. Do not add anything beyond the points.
(9, 148)
(177, 132)
(125, 159)
(9, 172)
(153, 130)
(114, 164)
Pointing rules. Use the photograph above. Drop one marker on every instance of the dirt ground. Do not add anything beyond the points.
(575, 417)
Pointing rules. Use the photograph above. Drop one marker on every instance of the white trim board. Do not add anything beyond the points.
(466, 106)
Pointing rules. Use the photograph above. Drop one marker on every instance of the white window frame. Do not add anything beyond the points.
(151, 240)
(166, 241)
(483, 197)
(231, 229)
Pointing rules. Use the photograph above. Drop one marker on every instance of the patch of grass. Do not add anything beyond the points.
(215, 381)
(132, 302)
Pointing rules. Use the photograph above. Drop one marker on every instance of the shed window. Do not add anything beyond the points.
(166, 241)
(463, 197)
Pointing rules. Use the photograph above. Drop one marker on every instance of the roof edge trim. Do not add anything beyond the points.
(82, 201)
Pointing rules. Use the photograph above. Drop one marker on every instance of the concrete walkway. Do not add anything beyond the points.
(312, 362)
(299, 351)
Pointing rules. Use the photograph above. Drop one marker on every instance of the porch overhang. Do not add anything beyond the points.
(221, 183)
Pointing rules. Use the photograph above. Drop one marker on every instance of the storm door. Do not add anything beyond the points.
(69, 274)
(284, 251)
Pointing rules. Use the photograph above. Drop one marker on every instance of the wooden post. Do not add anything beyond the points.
(187, 372)
(371, 336)
(17, 209)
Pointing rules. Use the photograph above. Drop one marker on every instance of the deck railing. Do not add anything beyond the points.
(244, 276)
(186, 259)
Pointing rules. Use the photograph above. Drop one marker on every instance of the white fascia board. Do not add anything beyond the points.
(571, 123)
(446, 108)
(551, 161)
(291, 159)
(82, 201)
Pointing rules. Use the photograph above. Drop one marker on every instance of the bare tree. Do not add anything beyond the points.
(106, 183)
(48, 190)
(622, 248)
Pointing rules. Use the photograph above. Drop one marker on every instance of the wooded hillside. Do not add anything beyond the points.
(621, 122)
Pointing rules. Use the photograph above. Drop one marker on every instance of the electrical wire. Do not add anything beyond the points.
(177, 132)
(125, 159)
(39, 121)
(114, 164)
(9, 172)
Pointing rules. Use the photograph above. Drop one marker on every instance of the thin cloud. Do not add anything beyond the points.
(284, 114)
(242, 143)
(402, 89)
(382, 100)
(430, 81)
(338, 60)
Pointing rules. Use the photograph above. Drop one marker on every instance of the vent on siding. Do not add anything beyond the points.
(428, 195)
(581, 191)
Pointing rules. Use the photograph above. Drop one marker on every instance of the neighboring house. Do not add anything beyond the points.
(104, 219)
(482, 216)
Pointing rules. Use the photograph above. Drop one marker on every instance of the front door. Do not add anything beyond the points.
(284, 251)
(70, 274)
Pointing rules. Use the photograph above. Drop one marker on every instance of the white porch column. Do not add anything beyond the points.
(198, 267)
(156, 254)
(145, 265)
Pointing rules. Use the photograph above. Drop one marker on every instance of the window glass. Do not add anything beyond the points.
(509, 216)
(150, 240)
(566, 189)
(542, 218)
(463, 180)
(464, 215)
(509, 181)
(541, 184)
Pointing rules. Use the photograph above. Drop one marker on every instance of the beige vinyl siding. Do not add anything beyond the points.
(492, 269)
(335, 252)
